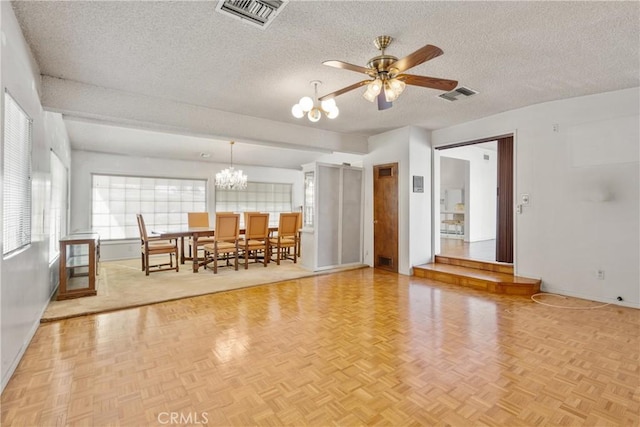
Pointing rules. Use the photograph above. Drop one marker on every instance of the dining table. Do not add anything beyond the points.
(195, 233)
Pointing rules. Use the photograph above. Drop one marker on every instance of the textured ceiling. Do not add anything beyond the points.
(514, 53)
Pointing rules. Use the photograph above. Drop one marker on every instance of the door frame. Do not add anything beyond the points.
(435, 205)
(395, 167)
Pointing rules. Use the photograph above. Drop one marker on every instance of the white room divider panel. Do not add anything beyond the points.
(336, 237)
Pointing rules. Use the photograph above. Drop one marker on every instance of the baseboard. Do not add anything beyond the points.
(605, 300)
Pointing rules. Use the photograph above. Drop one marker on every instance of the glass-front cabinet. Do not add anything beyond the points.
(79, 256)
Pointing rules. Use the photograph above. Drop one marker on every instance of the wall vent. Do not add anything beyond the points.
(460, 92)
(385, 261)
(259, 13)
(382, 172)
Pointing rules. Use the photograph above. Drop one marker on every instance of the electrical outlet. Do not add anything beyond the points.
(600, 274)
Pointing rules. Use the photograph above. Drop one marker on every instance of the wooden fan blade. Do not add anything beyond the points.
(421, 55)
(343, 90)
(430, 82)
(347, 66)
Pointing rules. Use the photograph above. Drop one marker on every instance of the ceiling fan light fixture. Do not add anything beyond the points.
(392, 89)
(306, 103)
(368, 95)
(314, 115)
(333, 113)
(373, 90)
(387, 73)
(297, 111)
(397, 85)
(390, 95)
(375, 86)
(328, 104)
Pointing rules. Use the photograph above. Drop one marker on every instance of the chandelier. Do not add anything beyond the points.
(312, 109)
(229, 178)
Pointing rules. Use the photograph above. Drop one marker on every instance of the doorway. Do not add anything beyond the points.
(474, 181)
(385, 216)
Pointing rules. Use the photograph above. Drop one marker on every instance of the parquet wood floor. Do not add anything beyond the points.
(362, 347)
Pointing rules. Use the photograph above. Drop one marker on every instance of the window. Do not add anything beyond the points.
(163, 202)
(17, 177)
(309, 194)
(258, 197)
(58, 217)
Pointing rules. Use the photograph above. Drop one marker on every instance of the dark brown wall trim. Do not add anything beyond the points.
(475, 141)
(504, 225)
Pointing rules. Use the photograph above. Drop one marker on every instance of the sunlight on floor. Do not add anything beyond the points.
(484, 250)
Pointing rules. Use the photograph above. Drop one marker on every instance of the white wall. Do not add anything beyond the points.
(388, 147)
(26, 278)
(84, 163)
(452, 172)
(480, 190)
(578, 159)
(419, 203)
(409, 147)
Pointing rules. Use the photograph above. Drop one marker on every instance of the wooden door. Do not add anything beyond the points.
(504, 227)
(385, 216)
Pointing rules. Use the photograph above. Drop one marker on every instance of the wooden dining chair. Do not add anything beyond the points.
(299, 228)
(225, 241)
(287, 237)
(198, 219)
(154, 246)
(256, 237)
(141, 231)
(245, 215)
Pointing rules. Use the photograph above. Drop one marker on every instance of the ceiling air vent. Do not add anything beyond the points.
(259, 13)
(460, 92)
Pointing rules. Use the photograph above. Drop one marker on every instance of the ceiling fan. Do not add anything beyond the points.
(387, 74)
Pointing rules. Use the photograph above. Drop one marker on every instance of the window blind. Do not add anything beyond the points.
(17, 177)
(164, 203)
(258, 197)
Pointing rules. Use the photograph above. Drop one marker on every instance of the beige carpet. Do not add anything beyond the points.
(122, 284)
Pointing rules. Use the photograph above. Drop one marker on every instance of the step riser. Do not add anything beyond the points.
(485, 285)
(478, 265)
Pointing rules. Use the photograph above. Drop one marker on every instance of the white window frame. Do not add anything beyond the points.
(309, 197)
(16, 182)
(163, 202)
(59, 203)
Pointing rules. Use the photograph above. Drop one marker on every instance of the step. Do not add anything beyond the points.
(491, 281)
(498, 267)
